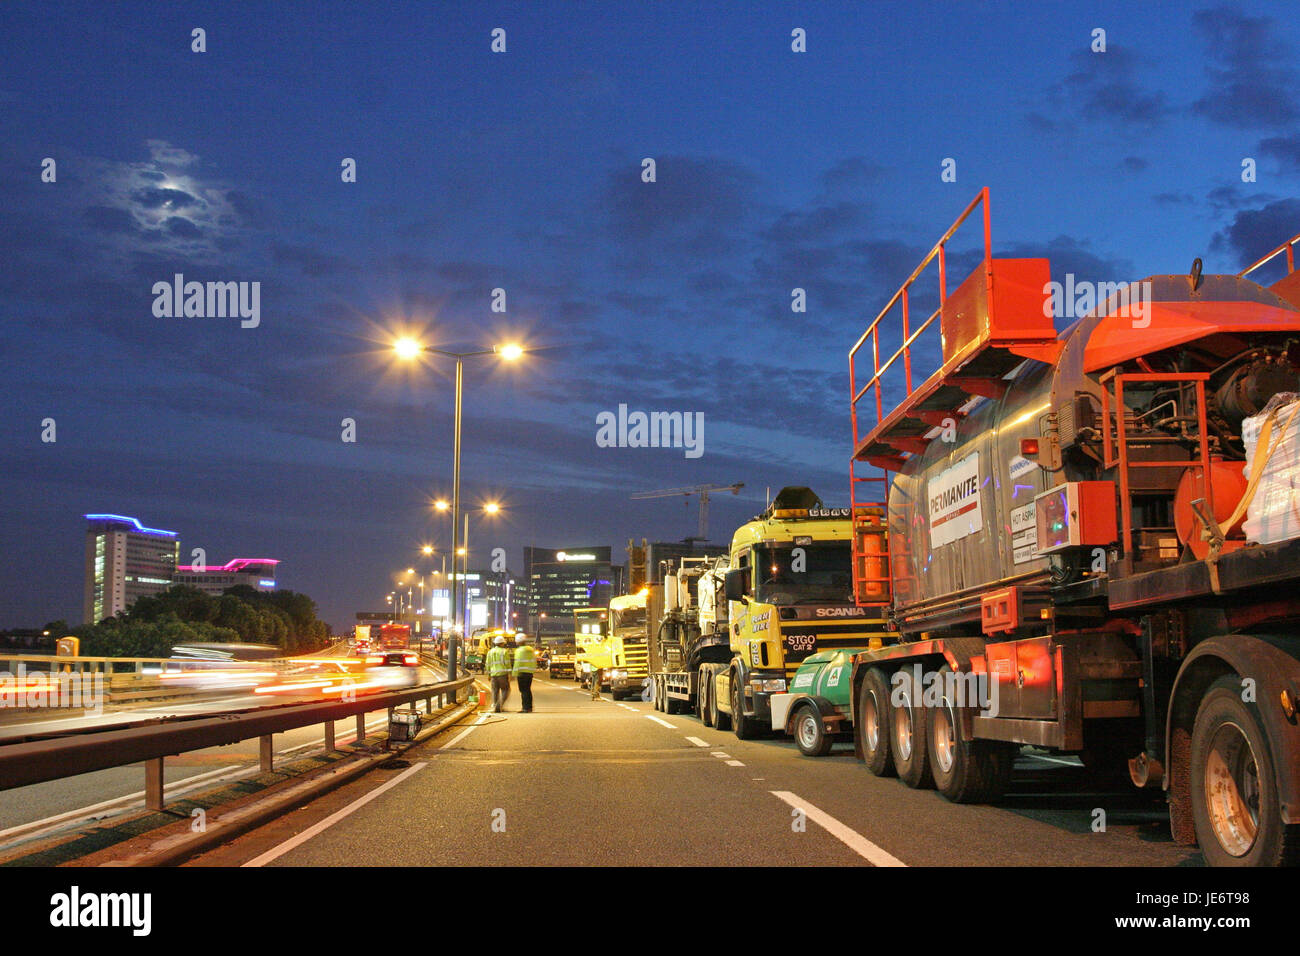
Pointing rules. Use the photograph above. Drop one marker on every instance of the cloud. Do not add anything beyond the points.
(1285, 149)
(1134, 164)
(309, 261)
(1253, 232)
(1104, 88)
(164, 153)
(1251, 82)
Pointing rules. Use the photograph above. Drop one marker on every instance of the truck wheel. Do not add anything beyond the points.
(809, 733)
(746, 728)
(703, 698)
(975, 774)
(721, 721)
(1235, 801)
(907, 727)
(874, 723)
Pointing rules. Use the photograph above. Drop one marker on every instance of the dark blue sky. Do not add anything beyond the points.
(521, 170)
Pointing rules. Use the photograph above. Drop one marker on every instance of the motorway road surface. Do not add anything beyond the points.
(582, 782)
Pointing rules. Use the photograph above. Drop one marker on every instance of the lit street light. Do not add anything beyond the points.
(408, 349)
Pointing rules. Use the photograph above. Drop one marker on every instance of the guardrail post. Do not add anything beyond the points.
(153, 783)
(329, 736)
(267, 754)
(361, 729)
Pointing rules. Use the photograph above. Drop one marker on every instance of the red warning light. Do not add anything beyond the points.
(1029, 446)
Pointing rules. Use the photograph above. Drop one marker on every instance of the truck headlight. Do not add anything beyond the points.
(771, 686)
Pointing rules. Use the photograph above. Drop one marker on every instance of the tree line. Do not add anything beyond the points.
(182, 614)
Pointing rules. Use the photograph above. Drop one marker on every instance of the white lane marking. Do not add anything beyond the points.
(463, 734)
(698, 742)
(854, 840)
(627, 706)
(332, 819)
(734, 763)
(661, 722)
(1063, 763)
(721, 755)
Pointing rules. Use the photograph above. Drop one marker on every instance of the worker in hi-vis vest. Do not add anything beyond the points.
(524, 666)
(497, 666)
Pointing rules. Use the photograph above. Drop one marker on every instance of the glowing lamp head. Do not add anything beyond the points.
(491, 507)
(510, 352)
(441, 505)
(427, 549)
(407, 348)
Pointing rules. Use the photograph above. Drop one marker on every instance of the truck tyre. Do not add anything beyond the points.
(907, 727)
(746, 728)
(704, 698)
(658, 698)
(976, 771)
(721, 721)
(809, 733)
(1235, 801)
(874, 723)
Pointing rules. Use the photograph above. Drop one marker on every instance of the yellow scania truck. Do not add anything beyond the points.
(789, 591)
(629, 644)
(591, 640)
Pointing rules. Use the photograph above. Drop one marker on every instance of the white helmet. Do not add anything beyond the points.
(499, 639)
(521, 638)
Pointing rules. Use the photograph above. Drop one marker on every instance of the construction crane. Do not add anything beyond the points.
(703, 491)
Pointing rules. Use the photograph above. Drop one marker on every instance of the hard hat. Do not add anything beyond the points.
(521, 638)
(498, 639)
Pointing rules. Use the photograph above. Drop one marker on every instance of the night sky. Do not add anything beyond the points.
(522, 171)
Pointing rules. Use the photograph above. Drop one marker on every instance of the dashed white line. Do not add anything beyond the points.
(627, 707)
(1063, 763)
(698, 742)
(332, 819)
(851, 838)
(734, 763)
(721, 755)
(661, 722)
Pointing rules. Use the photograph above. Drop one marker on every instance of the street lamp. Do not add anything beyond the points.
(491, 508)
(408, 349)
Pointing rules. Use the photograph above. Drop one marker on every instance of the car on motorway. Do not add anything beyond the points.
(394, 659)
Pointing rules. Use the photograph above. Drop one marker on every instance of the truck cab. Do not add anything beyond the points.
(628, 644)
(591, 638)
(790, 595)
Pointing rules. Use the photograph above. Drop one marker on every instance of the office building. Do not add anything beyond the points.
(124, 561)
(257, 573)
(561, 580)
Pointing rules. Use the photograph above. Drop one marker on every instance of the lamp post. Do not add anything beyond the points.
(407, 348)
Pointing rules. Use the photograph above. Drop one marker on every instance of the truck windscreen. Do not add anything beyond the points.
(631, 617)
(805, 574)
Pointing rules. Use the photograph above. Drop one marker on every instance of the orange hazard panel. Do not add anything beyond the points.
(1124, 335)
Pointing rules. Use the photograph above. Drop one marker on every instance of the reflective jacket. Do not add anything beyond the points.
(498, 662)
(525, 659)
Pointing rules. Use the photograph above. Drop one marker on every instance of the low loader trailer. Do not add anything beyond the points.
(1092, 544)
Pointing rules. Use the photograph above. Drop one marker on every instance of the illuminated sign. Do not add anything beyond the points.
(565, 556)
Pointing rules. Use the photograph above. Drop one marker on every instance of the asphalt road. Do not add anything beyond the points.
(596, 783)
